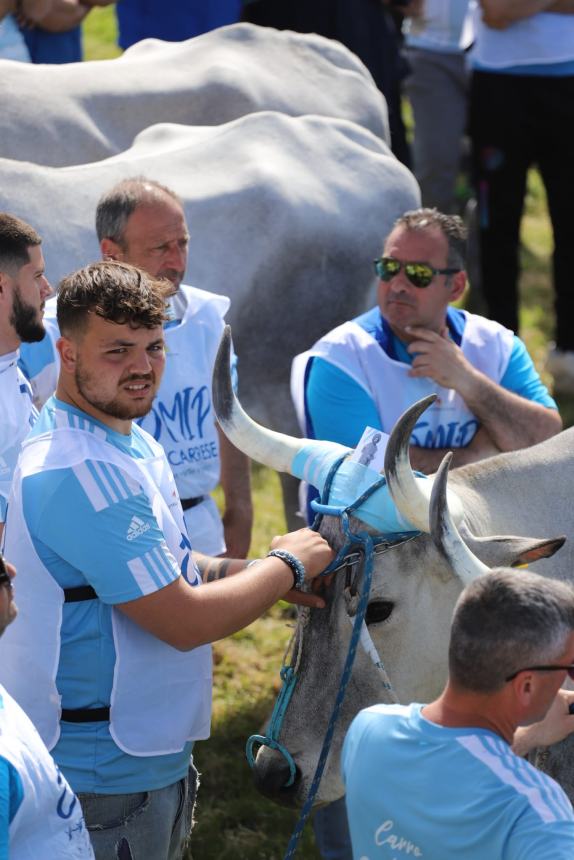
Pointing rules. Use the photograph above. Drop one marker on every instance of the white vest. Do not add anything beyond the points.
(448, 423)
(49, 824)
(161, 697)
(181, 417)
(16, 418)
(539, 39)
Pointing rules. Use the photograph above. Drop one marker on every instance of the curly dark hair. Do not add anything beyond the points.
(117, 292)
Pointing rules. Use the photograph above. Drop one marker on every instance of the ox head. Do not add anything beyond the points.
(416, 582)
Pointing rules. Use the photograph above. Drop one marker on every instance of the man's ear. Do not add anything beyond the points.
(67, 352)
(458, 285)
(111, 250)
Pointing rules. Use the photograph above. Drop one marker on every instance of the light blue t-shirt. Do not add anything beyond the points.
(11, 795)
(331, 394)
(417, 789)
(85, 544)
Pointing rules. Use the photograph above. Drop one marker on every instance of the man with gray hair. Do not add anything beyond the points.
(140, 221)
(446, 778)
(370, 369)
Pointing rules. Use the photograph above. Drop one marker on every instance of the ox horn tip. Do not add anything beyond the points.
(398, 444)
(439, 512)
(222, 389)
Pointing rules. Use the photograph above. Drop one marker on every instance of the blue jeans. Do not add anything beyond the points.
(332, 831)
(150, 825)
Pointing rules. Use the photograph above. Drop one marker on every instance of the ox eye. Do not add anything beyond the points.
(378, 611)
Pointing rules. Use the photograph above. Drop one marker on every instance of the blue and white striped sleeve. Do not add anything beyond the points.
(96, 521)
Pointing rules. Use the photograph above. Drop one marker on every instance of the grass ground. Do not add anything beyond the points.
(234, 823)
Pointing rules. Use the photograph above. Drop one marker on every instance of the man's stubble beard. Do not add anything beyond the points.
(114, 408)
(24, 320)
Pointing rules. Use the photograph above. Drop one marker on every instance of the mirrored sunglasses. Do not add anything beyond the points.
(419, 274)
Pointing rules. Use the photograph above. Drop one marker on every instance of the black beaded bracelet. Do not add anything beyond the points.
(297, 566)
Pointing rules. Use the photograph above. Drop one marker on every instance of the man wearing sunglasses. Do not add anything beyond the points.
(446, 778)
(413, 343)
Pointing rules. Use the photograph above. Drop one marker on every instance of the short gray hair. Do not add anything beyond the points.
(116, 205)
(505, 621)
(452, 227)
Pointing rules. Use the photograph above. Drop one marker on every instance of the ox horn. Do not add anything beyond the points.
(276, 450)
(410, 494)
(445, 534)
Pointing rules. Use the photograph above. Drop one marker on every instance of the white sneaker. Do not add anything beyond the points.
(561, 365)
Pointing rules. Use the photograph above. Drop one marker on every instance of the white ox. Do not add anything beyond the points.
(414, 585)
(286, 214)
(84, 112)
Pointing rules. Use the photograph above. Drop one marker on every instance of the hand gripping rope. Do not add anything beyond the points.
(358, 548)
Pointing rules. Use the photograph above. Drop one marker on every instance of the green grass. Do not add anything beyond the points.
(234, 822)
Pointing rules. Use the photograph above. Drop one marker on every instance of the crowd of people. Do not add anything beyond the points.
(110, 450)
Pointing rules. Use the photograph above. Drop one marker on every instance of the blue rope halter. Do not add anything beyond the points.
(368, 544)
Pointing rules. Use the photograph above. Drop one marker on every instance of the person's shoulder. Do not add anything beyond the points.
(197, 302)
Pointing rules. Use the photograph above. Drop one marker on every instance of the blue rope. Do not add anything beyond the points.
(288, 674)
(289, 678)
(366, 542)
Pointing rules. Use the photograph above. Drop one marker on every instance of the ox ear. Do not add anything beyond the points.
(509, 550)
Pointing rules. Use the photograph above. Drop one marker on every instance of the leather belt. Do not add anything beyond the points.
(191, 503)
(85, 715)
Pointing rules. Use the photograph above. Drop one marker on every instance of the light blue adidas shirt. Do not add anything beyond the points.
(418, 789)
(80, 545)
(330, 393)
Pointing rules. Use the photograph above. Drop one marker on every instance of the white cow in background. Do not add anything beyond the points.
(83, 112)
(286, 208)
(285, 213)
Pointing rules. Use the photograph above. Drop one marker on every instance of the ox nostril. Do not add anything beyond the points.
(271, 774)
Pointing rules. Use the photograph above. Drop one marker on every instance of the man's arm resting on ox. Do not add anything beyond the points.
(556, 725)
(499, 14)
(511, 420)
(186, 617)
(236, 484)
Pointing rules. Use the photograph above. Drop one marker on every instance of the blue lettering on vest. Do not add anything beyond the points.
(185, 544)
(65, 813)
(451, 435)
(206, 451)
(184, 418)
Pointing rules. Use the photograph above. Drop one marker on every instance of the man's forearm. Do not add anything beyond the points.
(511, 421)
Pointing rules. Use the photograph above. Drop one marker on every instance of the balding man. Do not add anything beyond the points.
(141, 222)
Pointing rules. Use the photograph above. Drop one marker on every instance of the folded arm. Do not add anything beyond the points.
(511, 421)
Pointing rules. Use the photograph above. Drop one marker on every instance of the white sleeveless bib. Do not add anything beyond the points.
(448, 423)
(161, 697)
(49, 823)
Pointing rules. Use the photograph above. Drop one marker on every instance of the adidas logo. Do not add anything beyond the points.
(136, 528)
